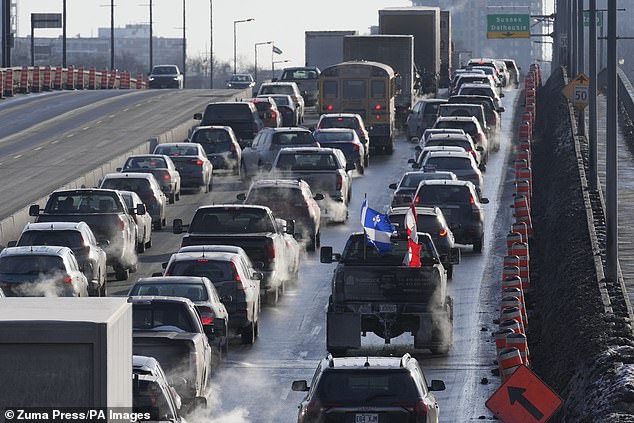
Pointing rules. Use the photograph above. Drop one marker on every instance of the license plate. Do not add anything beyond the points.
(387, 308)
(366, 418)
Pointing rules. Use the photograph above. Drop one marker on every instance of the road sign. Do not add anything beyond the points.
(524, 398)
(578, 91)
(508, 26)
(586, 18)
(46, 20)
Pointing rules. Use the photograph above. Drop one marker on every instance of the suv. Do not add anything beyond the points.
(475, 110)
(241, 116)
(289, 88)
(151, 393)
(268, 111)
(241, 81)
(422, 116)
(289, 199)
(90, 257)
(457, 140)
(407, 186)
(372, 389)
(41, 271)
(461, 206)
(470, 125)
(351, 121)
(514, 72)
(161, 167)
(221, 146)
(165, 76)
(307, 79)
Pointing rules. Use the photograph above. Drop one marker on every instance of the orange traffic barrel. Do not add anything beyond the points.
(57, 82)
(139, 82)
(511, 324)
(519, 163)
(524, 154)
(519, 341)
(500, 338)
(525, 173)
(523, 187)
(511, 260)
(509, 359)
(528, 221)
(24, 80)
(46, 79)
(520, 228)
(70, 78)
(512, 238)
(36, 85)
(520, 249)
(112, 79)
(8, 83)
(81, 73)
(124, 82)
(510, 271)
(512, 313)
(509, 301)
(104, 79)
(92, 78)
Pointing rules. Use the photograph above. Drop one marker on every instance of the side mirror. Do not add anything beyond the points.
(157, 274)
(118, 169)
(177, 226)
(259, 265)
(325, 255)
(34, 210)
(300, 386)
(140, 209)
(242, 196)
(319, 196)
(411, 161)
(226, 299)
(257, 275)
(290, 226)
(501, 109)
(350, 166)
(164, 265)
(437, 385)
(12, 243)
(103, 243)
(484, 200)
(415, 140)
(198, 116)
(480, 148)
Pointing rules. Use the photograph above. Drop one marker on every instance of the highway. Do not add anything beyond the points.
(254, 383)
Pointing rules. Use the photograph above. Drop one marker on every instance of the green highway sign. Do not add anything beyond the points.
(586, 18)
(508, 26)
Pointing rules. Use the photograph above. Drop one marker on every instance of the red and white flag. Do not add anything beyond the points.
(412, 258)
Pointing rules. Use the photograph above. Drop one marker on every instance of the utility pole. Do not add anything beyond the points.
(592, 65)
(211, 44)
(612, 250)
(151, 41)
(63, 34)
(581, 116)
(111, 34)
(184, 46)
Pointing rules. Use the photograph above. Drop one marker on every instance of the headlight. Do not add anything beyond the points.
(151, 78)
(176, 78)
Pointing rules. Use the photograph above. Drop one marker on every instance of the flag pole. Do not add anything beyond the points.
(365, 236)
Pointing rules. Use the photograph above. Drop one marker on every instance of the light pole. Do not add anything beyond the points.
(273, 63)
(211, 44)
(184, 46)
(256, 57)
(235, 52)
(151, 43)
(111, 34)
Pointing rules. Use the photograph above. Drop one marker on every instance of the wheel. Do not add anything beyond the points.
(205, 187)
(178, 194)
(243, 171)
(318, 239)
(149, 243)
(366, 161)
(248, 334)
(312, 244)
(140, 247)
(256, 330)
(389, 149)
(211, 183)
(164, 222)
(172, 198)
(133, 268)
(360, 168)
(157, 225)
(103, 291)
(121, 274)
(477, 245)
(450, 271)
(237, 170)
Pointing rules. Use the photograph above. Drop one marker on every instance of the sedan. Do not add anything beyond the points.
(345, 140)
(143, 221)
(163, 169)
(287, 108)
(202, 293)
(191, 162)
(221, 146)
(460, 163)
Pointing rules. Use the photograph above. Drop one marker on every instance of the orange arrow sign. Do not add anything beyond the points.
(524, 398)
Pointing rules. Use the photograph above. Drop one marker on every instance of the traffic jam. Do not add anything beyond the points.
(297, 150)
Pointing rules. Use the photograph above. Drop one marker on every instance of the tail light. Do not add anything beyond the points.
(197, 162)
(357, 146)
(329, 107)
(420, 408)
(121, 224)
(67, 279)
(273, 115)
(377, 107)
(236, 277)
(270, 249)
(378, 117)
(417, 199)
(207, 315)
(167, 176)
(472, 200)
(339, 182)
(233, 148)
(443, 232)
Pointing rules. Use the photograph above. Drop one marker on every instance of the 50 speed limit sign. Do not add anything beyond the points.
(577, 91)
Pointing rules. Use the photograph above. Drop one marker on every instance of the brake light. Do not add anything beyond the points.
(472, 200)
(166, 176)
(377, 107)
(357, 146)
(207, 315)
(202, 260)
(330, 108)
(339, 118)
(378, 117)
(443, 232)
(199, 162)
(237, 278)
(67, 279)
(273, 115)
(417, 199)
(270, 249)
(339, 181)
(121, 224)
(421, 409)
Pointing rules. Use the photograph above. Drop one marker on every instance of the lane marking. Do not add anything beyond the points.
(126, 109)
(70, 135)
(54, 142)
(98, 122)
(85, 128)
(111, 116)
(17, 156)
(38, 148)
(316, 330)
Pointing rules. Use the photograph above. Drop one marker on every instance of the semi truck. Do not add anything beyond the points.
(65, 352)
(424, 24)
(396, 51)
(446, 49)
(325, 48)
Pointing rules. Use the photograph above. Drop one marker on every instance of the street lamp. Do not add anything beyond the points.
(184, 46)
(151, 44)
(256, 57)
(234, 41)
(273, 63)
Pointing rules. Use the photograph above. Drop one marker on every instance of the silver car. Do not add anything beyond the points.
(163, 169)
(143, 221)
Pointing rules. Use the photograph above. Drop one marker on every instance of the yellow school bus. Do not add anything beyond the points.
(365, 88)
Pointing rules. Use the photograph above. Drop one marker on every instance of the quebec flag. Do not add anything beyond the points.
(377, 227)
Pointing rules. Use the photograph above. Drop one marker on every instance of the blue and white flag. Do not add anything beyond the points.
(378, 228)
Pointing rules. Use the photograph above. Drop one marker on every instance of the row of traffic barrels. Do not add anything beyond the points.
(511, 342)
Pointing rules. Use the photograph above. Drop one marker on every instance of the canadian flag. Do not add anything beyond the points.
(412, 258)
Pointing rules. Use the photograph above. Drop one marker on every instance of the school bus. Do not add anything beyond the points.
(365, 88)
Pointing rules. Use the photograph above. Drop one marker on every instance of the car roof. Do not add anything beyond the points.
(56, 226)
(196, 255)
(456, 119)
(433, 100)
(226, 128)
(144, 299)
(269, 84)
(150, 156)
(446, 182)
(287, 129)
(212, 248)
(39, 250)
(144, 363)
(173, 279)
(129, 175)
(449, 136)
(178, 144)
(348, 130)
(85, 190)
(307, 150)
(366, 363)
(469, 85)
(441, 148)
(450, 153)
(232, 206)
(430, 211)
(337, 115)
(286, 183)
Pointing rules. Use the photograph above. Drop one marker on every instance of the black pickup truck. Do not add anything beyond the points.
(268, 241)
(104, 210)
(377, 293)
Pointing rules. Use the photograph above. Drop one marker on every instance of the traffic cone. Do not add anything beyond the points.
(104, 79)
(70, 78)
(81, 74)
(92, 78)
(46, 79)
(509, 359)
(112, 79)
(24, 80)
(57, 82)
(35, 85)
(519, 341)
(8, 83)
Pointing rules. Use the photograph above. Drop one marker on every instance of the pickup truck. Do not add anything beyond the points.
(106, 214)
(169, 329)
(307, 80)
(268, 241)
(325, 170)
(377, 293)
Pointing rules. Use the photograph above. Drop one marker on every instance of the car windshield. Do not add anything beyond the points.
(299, 74)
(357, 250)
(293, 138)
(241, 78)
(467, 126)
(277, 89)
(145, 163)
(411, 180)
(367, 388)
(281, 100)
(334, 136)
(484, 90)
(275, 195)
(424, 223)
(443, 194)
(214, 270)
(338, 122)
(83, 203)
(449, 163)
(176, 150)
(127, 197)
(148, 397)
(431, 108)
(450, 142)
(31, 264)
(161, 316)
(192, 291)
(70, 239)
(140, 186)
(164, 70)
(213, 140)
(231, 221)
(306, 161)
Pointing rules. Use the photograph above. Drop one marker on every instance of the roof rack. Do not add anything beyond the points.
(405, 359)
(331, 360)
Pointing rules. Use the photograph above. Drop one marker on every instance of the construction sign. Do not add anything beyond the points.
(578, 91)
(524, 398)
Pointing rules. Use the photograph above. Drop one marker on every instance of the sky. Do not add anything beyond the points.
(281, 21)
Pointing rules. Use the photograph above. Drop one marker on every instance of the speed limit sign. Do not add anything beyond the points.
(577, 91)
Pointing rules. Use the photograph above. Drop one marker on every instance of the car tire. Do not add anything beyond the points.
(133, 268)
(211, 184)
(256, 329)
(103, 291)
(312, 243)
(247, 334)
(477, 245)
(148, 244)
(140, 247)
(366, 161)
(450, 271)
(172, 198)
(360, 168)
(157, 225)
(178, 194)
(121, 274)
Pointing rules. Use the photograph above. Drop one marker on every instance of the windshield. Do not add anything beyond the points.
(241, 78)
(354, 252)
(306, 161)
(161, 316)
(368, 388)
(214, 270)
(140, 186)
(220, 114)
(487, 91)
(192, 291)
(145, 163)
(449, 142)
(338, 122)
(293, 138)
(443, 194)
(164, 70)
(31, 264)
(231, 221)
(83, 203)
(299, 74)
(467, 126)
(70, 239)
(176, 150)
(277, 89)
(334, 136)
(281, 100)
(449, 163)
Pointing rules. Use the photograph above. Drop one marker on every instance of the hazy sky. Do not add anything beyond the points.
(282, 21)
